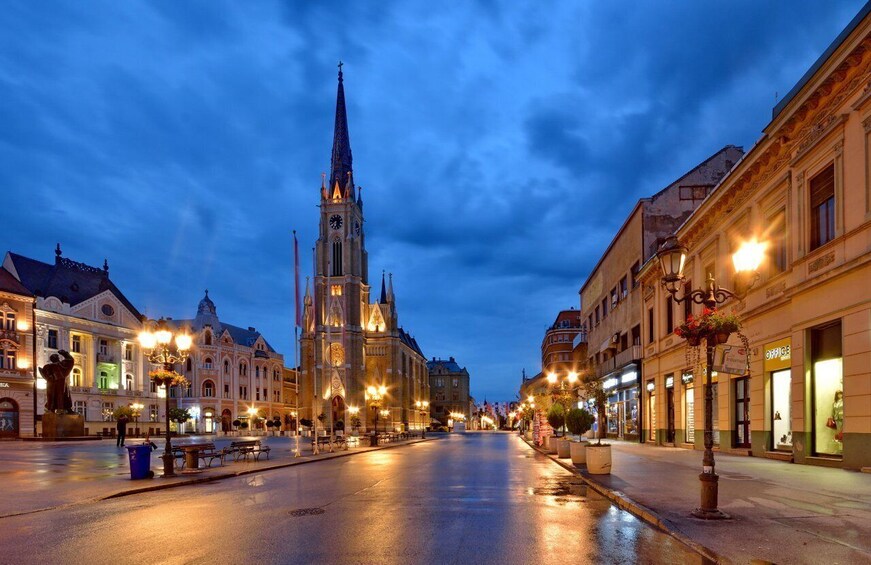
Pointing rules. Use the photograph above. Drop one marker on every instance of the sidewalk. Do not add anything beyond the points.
(781, 512)
(44, 475)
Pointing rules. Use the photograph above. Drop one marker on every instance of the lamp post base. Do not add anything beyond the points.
(708, 509)
(168, 471)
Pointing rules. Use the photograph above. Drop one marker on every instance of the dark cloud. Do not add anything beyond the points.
(500, 145)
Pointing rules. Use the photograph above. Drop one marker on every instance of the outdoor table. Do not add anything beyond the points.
(192, 457)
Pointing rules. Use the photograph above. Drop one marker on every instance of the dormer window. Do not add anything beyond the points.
(207, 338)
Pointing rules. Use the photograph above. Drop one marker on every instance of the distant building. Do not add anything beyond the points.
(17, 338)
(558, 344)
(449, 386)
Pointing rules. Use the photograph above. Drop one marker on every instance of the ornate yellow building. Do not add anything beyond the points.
(349, 343)
(805, 189)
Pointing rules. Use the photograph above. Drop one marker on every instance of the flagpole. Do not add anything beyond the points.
(296, 452)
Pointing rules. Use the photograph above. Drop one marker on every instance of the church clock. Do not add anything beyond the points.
(335, 221)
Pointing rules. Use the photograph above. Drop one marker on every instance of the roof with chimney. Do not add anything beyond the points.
(67, 280)
(450, 365)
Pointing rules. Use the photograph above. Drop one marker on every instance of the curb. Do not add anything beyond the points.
(624, 502)
(232, 474)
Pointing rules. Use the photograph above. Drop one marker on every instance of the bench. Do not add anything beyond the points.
(325, 440)
(245, 448)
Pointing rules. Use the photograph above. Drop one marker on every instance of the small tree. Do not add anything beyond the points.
(236, 423)
(556, 417)
(306, 422)
(578, 421)
(123, 411)
(179, 415)
(595, 392)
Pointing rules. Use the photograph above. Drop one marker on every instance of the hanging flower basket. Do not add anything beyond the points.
(711, 323)
(694, 340)
(722, 337)
(169, 378)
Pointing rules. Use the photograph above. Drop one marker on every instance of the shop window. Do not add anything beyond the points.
(828, 387)
(781, 404)
(715, 417)
(822, 207)
(690, 415)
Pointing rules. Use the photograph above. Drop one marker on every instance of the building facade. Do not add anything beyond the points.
(349, 343)
(611, 304)
(17, 342)
(234, 374)
(558, 344)
(79, 309)
(805, 190)
(449, 390)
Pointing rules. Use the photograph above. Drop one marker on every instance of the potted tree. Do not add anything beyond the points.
(578, 422)
(322, 418)
(556, 417)
(307, 424)
(355, 425)
(236, 424)
(598, 454)
(270, 424)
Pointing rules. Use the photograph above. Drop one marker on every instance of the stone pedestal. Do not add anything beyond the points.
(55, 426)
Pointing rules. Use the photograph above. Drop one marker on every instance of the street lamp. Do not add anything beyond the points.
(423, 408)
(157, 346)
(252, 414)
(672, 258)
(374, 396)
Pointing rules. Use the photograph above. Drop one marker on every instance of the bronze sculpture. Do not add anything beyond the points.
(56, 375)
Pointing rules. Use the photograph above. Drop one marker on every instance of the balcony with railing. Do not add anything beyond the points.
(620, 360)
(106, 358)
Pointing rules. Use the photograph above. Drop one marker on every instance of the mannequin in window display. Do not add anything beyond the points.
(838, 417)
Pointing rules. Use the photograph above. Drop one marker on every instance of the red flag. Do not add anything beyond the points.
(296, 280)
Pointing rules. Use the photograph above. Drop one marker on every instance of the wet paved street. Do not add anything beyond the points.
(474, 498)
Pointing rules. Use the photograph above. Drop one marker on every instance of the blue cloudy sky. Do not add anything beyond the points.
(500, 144)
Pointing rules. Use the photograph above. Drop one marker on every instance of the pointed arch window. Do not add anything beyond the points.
(336, 270)
(208, 338)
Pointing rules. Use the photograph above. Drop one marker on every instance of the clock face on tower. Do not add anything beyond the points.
(335, 221)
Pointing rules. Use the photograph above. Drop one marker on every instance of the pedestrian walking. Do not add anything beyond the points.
(122, 429)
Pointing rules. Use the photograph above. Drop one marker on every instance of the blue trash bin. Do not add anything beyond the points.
(140, 461)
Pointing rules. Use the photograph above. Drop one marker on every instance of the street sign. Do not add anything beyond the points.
(730, 359)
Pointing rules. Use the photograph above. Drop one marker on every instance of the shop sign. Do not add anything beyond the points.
(610, 383)
(778, 355)
(5, 385)
(686, 378)
(669, 382)
(730, 359)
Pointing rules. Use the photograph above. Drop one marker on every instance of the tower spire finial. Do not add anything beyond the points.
(341, 170)
(383, 290)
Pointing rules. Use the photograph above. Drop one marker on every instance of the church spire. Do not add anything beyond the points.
(383, 290)
(341, 172)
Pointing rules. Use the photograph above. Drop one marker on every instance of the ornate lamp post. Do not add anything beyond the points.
(157, 346)
(137, 411)
(374, 396)
(672, 258)
(423, 408)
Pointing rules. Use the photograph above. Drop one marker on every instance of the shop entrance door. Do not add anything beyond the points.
(8, 418)
(669, 392)
(742, 413)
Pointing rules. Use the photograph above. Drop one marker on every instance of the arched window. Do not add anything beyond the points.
(76, 377)
(243, 369)
(337, 259)
(207, 363)
(209, 389)
(257, 371)
(207, 338)
(226, 367)
(129, 379)
(188, 365)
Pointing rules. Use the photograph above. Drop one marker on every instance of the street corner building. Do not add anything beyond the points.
(233, 374)
(804, 190)
(348, 343)
(79, 309)
(72, 306)
(611, 300)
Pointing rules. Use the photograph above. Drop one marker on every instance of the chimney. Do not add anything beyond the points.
(250, 329)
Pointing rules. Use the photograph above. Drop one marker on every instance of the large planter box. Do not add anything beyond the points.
(578, 452)
(599, 459)
(563, 448)
(549, 444)
(528, 435)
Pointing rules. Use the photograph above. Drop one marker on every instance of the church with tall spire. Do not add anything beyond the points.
(348, 343)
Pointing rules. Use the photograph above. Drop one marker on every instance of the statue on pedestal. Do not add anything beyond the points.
(56, 375)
